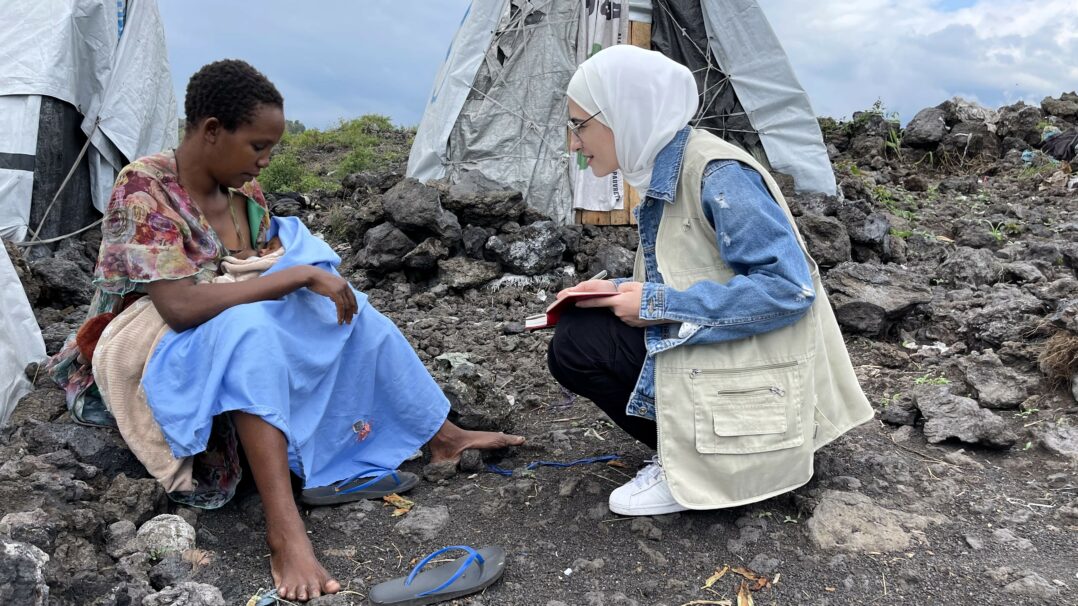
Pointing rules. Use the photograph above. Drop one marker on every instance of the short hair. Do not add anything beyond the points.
(229, 90)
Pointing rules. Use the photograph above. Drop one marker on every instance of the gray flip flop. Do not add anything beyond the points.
(463, 576)
(355, 489)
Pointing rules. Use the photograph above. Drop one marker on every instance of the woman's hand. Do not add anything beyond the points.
(589, 286)
(625, 304)
(337, 289)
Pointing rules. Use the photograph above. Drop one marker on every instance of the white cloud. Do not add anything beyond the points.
(914, 54)
(341, 58)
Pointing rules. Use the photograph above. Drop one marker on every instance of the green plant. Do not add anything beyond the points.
(894, 142)
(901, 233)
(928, 379)
(996, 229)
(1025, 414)
(284, 173)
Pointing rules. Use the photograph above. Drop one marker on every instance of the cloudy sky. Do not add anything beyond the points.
(342, 58)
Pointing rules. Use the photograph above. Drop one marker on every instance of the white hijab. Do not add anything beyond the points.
(643, 96)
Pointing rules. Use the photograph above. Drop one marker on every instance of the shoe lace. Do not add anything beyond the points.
(649, 474)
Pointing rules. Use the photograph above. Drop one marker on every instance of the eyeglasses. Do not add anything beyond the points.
(575, 126)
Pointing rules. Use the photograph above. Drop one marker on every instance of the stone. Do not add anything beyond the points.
(22, 574)
(868, 298)
(970, 267)
(186, 594)
(35, 527)
(287, 207)
(384, 247)
(1020, 121)
(994, 384)
(55, 335)
(481, 201)
(850, 521)
(616, 260)
(462, 273)
(368, 183)
(475, 238)
(126, 594)
(1021, 272)
(120, 539)
(535, 249)
(826, 239)
(1066, 106)
(417, 208)
(83, 441)
(926, 129)
(136, 500)
(958, 110)
(764, 564)
(63, 282)
(1006, 536)
(900, 410)
(476, 402)
(644, 527)
(423, 523)
(165, 534)
(1062, 441)
(42, 404)
(967, 141)
(425, 257)
(950, 416)
(1033, 585)
(171, 570)
(865, 228)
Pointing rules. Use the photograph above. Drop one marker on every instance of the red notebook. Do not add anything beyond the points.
(554, 311)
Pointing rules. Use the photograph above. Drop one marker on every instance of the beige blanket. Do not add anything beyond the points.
(119, 361)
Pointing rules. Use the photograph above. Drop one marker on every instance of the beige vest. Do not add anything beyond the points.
(739, 421)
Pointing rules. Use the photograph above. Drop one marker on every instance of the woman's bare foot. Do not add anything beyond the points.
(450, 441)
(296, 571)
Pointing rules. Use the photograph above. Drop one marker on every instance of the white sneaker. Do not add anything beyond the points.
(646, 495)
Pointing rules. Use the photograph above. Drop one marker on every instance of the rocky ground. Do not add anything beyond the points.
(950, 256)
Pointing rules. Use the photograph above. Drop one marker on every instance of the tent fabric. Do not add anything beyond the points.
(510, 125)
(678, 31)
(452, 86)
(19, 116)
(20, 336)
(71, 50)
(499, 104)
(752, 57)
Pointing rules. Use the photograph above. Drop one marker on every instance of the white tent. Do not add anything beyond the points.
(106, 60)
(498, 103)
(85, 87)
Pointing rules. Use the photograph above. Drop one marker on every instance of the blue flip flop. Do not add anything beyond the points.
(446, 582)
(384, 483)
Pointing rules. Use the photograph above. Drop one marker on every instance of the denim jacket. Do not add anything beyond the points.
(772, 288)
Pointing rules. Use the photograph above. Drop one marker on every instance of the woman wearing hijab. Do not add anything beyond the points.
(721, 351)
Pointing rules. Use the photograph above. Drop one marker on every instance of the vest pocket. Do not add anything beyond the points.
(747, 410)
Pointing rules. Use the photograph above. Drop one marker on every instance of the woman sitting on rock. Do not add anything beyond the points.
(289, 358)
(721, 351)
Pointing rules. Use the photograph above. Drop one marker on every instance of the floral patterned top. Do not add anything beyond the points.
(152, 230)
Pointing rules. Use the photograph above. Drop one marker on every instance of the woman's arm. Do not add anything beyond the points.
(185, 304)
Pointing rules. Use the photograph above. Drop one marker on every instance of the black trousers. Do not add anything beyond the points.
(596, 355)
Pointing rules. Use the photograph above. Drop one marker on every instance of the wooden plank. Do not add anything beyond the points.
(632, 200)
(640, 34)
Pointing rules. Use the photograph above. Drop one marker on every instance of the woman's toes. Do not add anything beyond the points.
(332, 586)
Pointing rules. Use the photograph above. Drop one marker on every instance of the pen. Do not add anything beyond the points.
(599, 276)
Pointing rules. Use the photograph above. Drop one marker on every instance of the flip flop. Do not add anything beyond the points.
(357, 488)
(446, 582)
